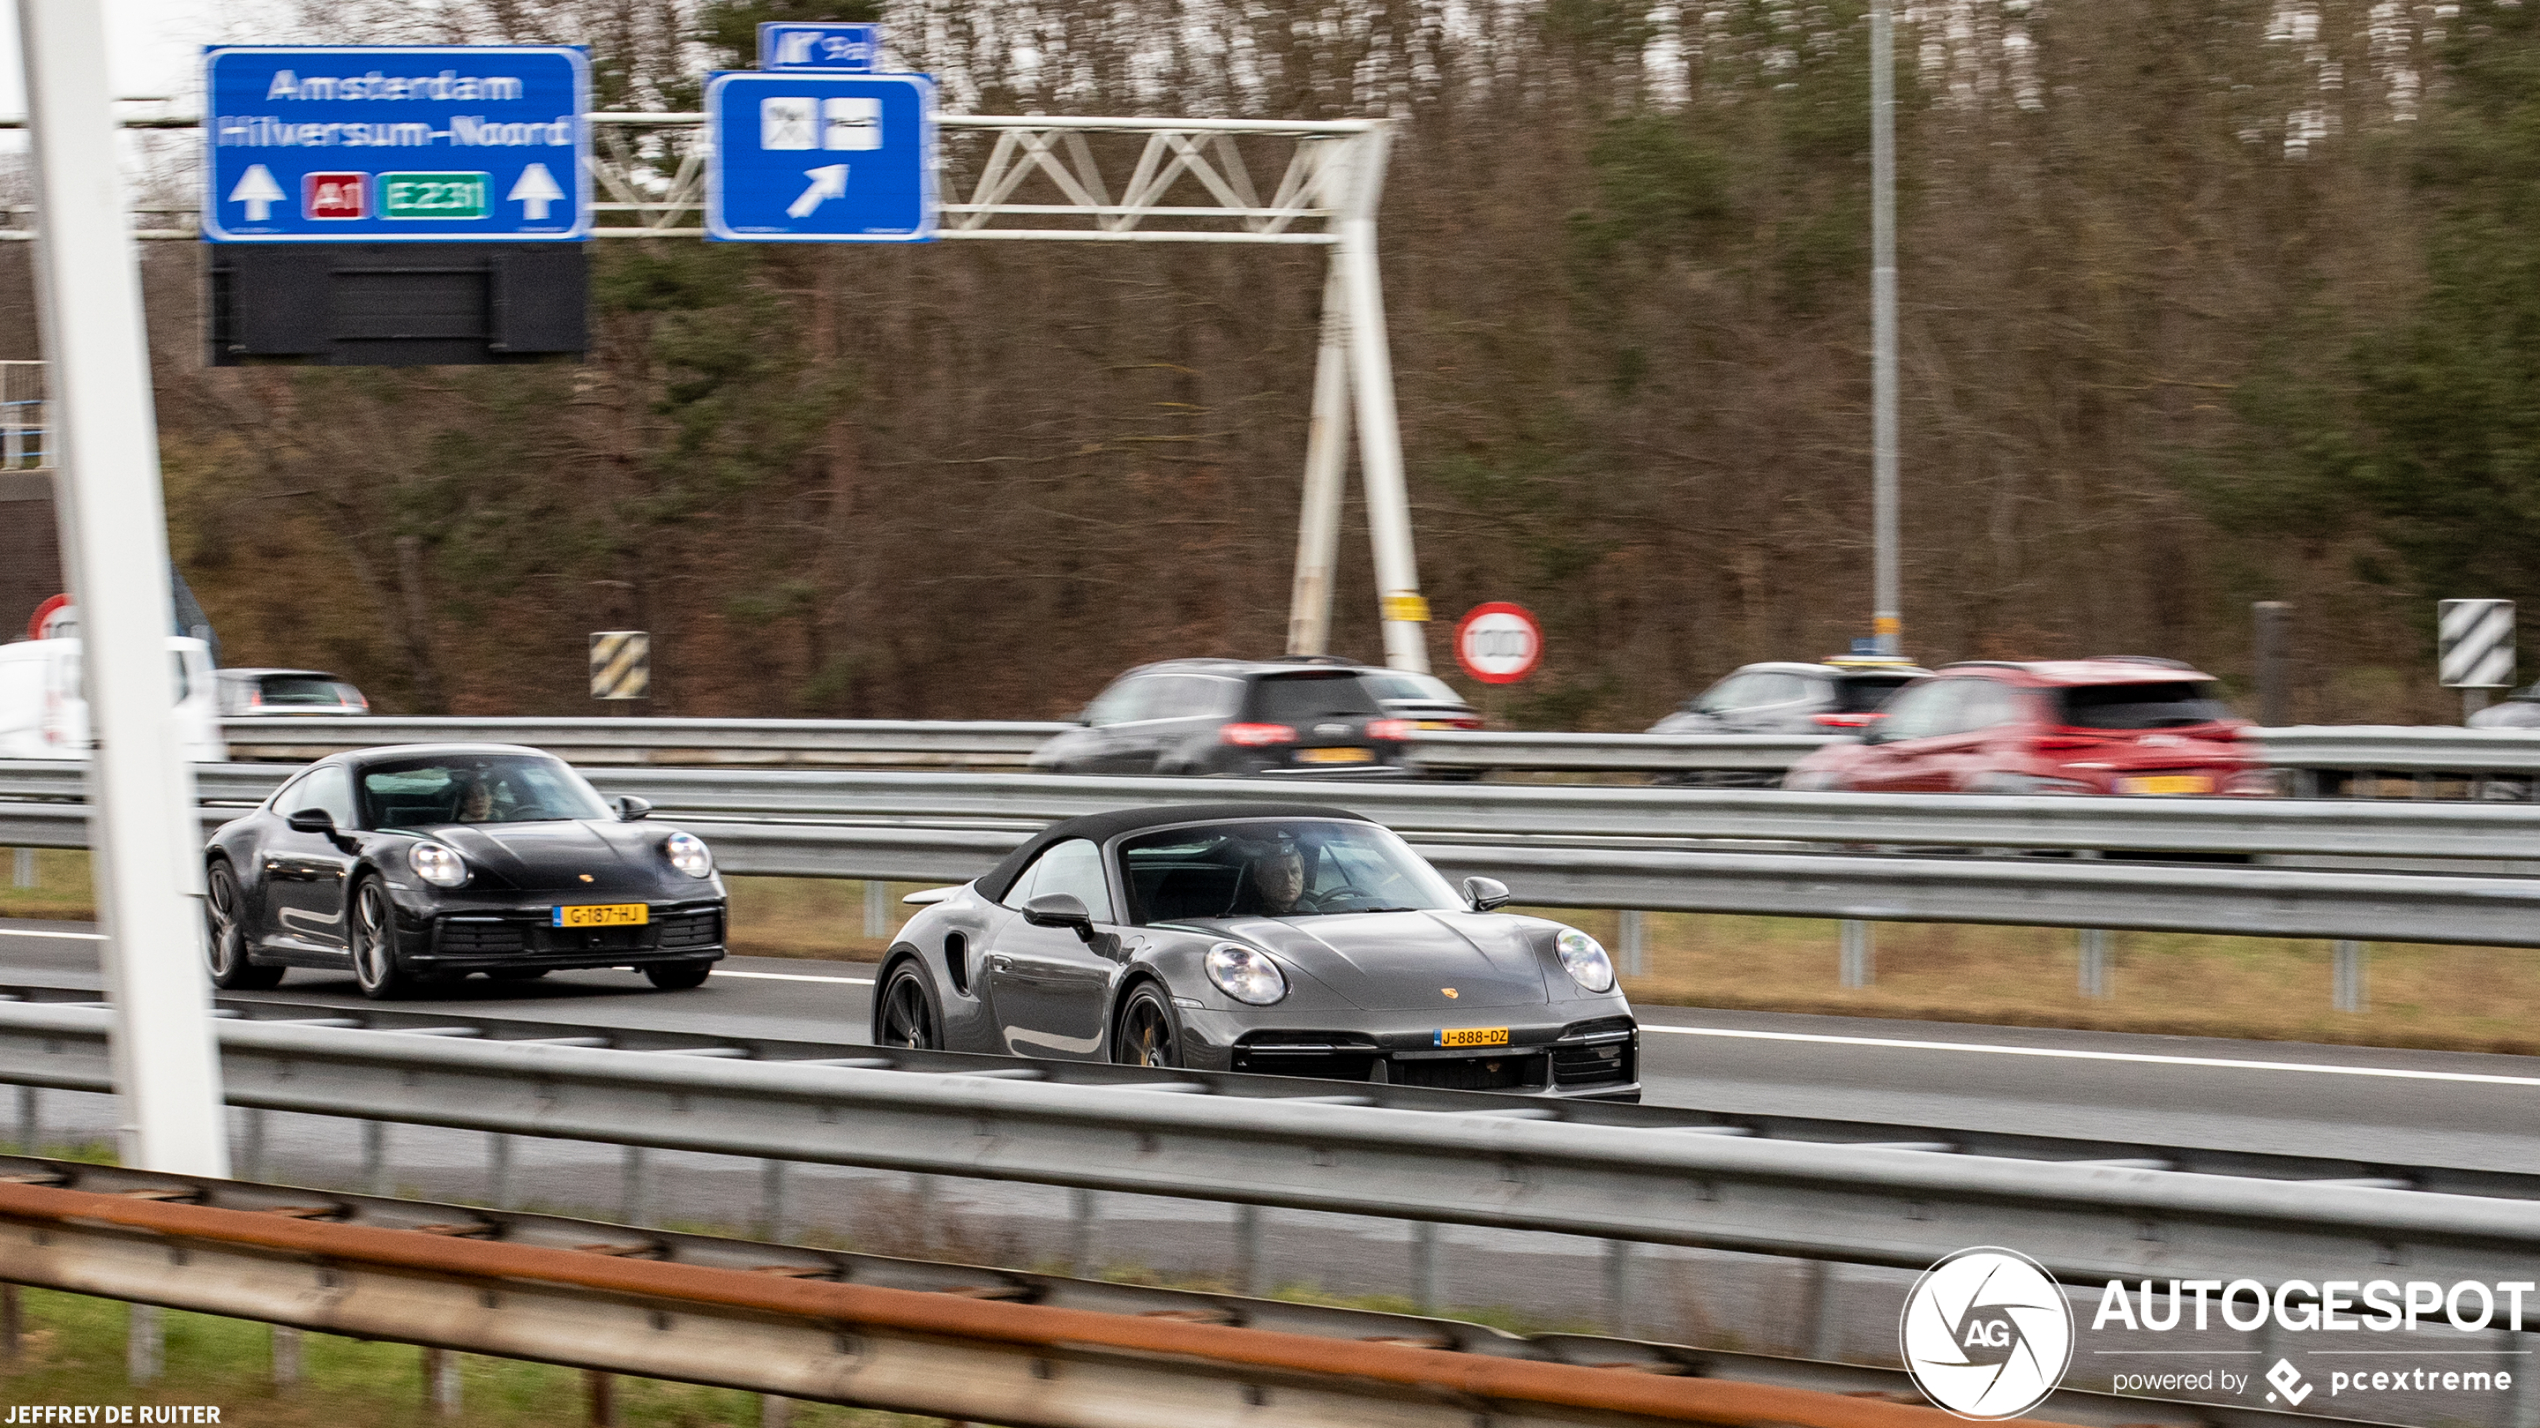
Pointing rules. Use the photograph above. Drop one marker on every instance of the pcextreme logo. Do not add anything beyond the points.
(1986, 1333)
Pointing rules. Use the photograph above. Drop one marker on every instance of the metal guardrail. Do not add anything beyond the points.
(942, 1340)
(2383, 828)
(2390, 749)
(2266, 902)
(1614, 753)
(1505, 1162)
(2400, 748)
(1600, 847)
(719, 741)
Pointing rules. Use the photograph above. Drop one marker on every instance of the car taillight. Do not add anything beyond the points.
(1845, 721)
(1254, 736)
(2066, 741)
(1391, 730)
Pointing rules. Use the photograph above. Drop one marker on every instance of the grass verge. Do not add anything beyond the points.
(73, 1353)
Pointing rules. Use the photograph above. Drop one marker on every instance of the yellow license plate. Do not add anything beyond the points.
(2167, 783)
(1474, 1036)
(1335, 756)
(604, 914)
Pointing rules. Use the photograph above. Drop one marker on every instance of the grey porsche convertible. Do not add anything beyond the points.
(1287, 939)
(415, 865)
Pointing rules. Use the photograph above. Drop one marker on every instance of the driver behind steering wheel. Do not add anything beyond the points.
(1278, 877)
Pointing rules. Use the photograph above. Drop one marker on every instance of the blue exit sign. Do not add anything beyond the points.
(856, 49)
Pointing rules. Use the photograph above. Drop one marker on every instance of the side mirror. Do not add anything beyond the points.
(630, 808)
(1486, 894)
(1060, 910)
(311, 820)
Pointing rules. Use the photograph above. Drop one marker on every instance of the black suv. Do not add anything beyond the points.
(1232, 717)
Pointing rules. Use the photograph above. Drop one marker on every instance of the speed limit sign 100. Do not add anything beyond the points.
(1499, 643)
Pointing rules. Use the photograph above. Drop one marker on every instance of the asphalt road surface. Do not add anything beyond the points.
(2458, 1109)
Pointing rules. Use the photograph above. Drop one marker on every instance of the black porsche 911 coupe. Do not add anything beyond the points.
(417, 864)
(1284, 939)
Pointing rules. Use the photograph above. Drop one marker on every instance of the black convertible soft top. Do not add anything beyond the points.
(1102, 827)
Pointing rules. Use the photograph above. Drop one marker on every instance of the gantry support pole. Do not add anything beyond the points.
(1399, 602)
(146, 840)
(1318, 536)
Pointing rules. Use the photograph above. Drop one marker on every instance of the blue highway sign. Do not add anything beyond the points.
(816, 47)
(821, 158)
(428, 144)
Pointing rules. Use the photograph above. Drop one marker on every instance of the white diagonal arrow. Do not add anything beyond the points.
(535, 189)
(258, 191)
(827, 182)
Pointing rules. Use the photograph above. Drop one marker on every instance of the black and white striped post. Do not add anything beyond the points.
(2474, 648)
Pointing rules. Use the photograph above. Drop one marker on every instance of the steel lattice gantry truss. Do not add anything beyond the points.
(1115, 180)
(1076, 179)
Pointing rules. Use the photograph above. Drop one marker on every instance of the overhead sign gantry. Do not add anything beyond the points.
(397, 206)
(813, 147)
(430, 144)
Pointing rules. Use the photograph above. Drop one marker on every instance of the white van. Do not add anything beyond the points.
(44, 715)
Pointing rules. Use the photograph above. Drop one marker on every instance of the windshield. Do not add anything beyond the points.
(1394, 684)
(1277, 868)
(1861, 693)
(475, 788)
(1303, 698)
(301, 689)
(2142, 706)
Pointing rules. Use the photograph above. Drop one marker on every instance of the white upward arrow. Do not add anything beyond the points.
(258, 191)
(535, 190)
(826, 183)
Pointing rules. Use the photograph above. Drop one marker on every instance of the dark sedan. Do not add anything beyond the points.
(1284, 939)
(419, 864)
(1232, 717)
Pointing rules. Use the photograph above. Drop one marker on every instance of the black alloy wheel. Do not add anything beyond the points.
(679, 976)
(1147, 1036)
(374, 943)
(225, 936)
(908, 1013)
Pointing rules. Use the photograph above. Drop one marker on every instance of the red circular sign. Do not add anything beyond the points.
(1499, 643)
(48, 617)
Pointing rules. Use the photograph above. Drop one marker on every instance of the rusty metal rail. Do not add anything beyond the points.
(795, 1323)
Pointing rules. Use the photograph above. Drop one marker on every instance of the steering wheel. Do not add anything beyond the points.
(1324, 901)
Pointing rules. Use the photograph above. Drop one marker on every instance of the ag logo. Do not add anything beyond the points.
(1987, 1333)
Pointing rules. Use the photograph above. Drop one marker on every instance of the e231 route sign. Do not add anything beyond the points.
(426, 143)
(821, 158)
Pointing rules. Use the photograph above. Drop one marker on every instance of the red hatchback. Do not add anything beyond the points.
(2117, 724)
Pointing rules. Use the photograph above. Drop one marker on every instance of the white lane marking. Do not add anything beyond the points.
(73, 936)
(795, 977)
(2219, 1062)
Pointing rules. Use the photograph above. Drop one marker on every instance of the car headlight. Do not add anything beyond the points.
(437, 865)
(687, 852)
(1585, 960)
(1247, 975)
